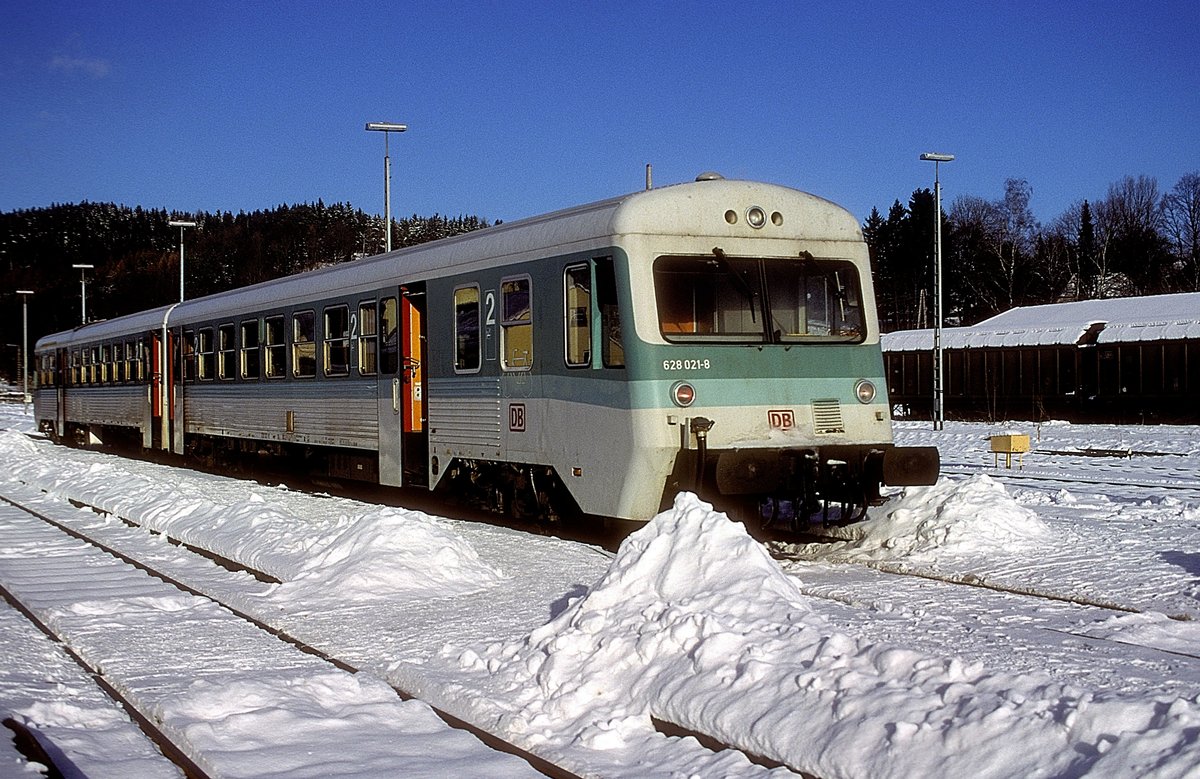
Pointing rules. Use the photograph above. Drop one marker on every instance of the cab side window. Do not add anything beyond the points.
(577, 315)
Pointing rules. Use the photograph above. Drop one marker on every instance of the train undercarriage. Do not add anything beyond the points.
(778, 490)
(791, 489)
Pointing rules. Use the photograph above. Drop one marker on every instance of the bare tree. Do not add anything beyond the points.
(1129, 237)
(1181, 220)
(996, 243)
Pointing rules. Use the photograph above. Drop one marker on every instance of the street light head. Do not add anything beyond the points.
(387, 127)
(24, 292)
(176, 223)
(83, 266)
(935, 157)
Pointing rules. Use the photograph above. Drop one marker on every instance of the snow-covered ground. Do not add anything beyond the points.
(830, 663)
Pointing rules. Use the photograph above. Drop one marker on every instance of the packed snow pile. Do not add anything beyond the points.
(960, 518)
(16, 446)
(387, 554)
(694, 624)
(380, 553)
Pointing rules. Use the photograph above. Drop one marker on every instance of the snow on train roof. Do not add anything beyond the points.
(1112, 320)
(692, 208)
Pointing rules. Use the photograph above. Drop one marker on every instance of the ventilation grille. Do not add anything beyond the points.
(827, 417)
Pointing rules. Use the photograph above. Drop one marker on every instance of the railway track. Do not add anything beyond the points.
(93, 565)
(21, 501)
(959, 579)
(974, 581)
(1170, 483)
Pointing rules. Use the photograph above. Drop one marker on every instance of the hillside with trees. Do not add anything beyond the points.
(136, 255)
(1137, 240)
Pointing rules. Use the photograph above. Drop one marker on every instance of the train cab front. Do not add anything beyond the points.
(795, 487)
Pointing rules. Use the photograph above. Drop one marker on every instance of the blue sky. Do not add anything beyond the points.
(517, 108)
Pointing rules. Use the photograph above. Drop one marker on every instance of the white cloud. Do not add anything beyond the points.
(96, 68)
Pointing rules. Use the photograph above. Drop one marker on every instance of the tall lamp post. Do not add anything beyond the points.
(939, 390)
(181, 225)
(387, 128)
(83, 269)
(25, 293)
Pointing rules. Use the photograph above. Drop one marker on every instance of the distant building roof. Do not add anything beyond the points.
(1113, 320)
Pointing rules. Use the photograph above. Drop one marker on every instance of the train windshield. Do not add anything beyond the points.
(758, 300)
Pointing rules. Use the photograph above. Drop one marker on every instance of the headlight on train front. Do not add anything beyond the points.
(864, 391)
(683, 394)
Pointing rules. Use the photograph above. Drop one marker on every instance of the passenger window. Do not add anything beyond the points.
(368, 339)
(206, 359)
(466, 330)
(337, 341)
(105, 354)
(227, 351)
(131, 368)
(389, 346)
(189, 355)
(275, 350)
(304, 345)
(516, 324)
(577, 302)
(250, 351)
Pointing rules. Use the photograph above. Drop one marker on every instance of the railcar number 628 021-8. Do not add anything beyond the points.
(717, 336)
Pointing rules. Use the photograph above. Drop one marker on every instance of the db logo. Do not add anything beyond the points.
(516, 417)
(781, 420)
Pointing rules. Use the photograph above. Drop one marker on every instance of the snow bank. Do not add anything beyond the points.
(387, 554)
(278, 542)
(975, 516)
(694, 624)
(16, 445)
(353, 558)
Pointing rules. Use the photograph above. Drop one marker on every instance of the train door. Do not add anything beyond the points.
(389, 391)
(414, 438)
(147, 376)
(63, 357)
(403, 442)
(162, 389)
(184, 347)
(154, 429)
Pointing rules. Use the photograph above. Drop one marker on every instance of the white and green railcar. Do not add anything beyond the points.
(716, 336)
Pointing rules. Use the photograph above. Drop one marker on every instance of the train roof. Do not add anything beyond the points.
(690, 209)
(1111, 320)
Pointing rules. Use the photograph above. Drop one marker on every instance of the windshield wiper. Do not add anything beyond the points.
(739, 282)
